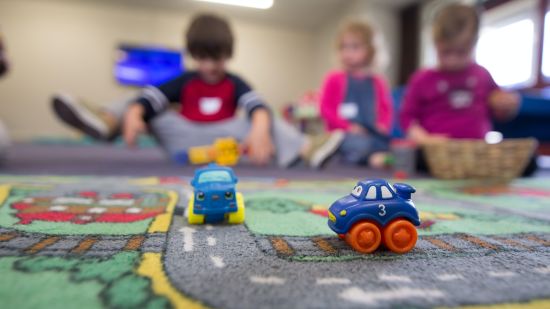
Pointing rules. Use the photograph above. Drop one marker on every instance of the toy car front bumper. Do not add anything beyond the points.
(331, 217)
(214, 210)
(332, 224)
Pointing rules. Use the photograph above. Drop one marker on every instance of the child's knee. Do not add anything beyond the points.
(356, 143)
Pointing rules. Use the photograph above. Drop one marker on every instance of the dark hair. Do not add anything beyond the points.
(209, 36)
(453, 21)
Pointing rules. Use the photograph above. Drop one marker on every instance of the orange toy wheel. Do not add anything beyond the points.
(364, 237)
(400, 236)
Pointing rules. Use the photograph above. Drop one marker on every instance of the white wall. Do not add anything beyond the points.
(68, 45)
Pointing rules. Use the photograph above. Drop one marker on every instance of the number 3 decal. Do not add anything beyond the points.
(382, 211)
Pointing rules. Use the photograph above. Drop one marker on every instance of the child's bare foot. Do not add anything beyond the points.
(90, 121)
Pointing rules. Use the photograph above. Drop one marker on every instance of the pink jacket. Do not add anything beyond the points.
(333, 94)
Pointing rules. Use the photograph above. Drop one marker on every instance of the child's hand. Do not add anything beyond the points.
(357, 129)
(434, 139)
(133, 124)
(504, 104)
(259, 144)
(418, 134)
(259, 147)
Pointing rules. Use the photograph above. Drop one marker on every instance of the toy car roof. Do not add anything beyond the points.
(213, 167)
(370, 182)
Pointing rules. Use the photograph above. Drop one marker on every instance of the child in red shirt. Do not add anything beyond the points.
(209, 98)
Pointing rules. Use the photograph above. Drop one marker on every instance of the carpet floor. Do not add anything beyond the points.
(117, 238)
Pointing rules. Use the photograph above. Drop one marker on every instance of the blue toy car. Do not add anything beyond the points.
(376, 213)
(214, 198)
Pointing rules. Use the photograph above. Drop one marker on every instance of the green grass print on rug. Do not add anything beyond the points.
(530, 195)
(269, 214)
(75, 283)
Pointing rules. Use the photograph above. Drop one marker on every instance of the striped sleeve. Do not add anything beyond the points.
(157, 99)
(247, 98)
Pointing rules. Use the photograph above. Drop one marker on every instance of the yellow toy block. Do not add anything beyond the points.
(224, 151)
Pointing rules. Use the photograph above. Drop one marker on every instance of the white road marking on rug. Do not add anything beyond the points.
(267, 280)
(501, 274)
(218, 261)
(332, 280)
(187, 238)
(357, 295)
(117, 202)
(133, 210)
(394, 278)
(449, 277)
(211, 241)
(543, 270)
(209, 227)
(72, 200)
(57, 208)
(97, 210)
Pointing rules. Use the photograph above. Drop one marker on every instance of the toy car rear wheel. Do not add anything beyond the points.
(400, 236)
(364, 237)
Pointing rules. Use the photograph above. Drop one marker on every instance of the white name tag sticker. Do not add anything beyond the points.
(210, 106)
(348, 110)
(461, 99)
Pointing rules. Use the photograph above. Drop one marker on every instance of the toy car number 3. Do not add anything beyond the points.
(376, 213)
(382, 211)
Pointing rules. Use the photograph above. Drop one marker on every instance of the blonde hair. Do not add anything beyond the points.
(364, 31)
(453, 21)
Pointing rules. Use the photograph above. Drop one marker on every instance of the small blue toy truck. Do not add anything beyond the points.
(215, 198)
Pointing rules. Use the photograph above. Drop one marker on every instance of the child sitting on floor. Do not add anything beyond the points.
(458, 98)
(209, 99)
(356, 100)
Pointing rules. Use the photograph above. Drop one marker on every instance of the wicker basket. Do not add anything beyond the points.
(475, 159)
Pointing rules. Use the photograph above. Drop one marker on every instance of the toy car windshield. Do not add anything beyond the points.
(215, 176)
(357, 191)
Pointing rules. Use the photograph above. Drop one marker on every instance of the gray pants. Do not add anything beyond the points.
(356, 149)
(177, 134)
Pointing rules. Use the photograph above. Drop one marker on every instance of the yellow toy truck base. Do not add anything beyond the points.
(237, 217)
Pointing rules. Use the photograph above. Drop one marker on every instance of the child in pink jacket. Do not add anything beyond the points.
(356, 100)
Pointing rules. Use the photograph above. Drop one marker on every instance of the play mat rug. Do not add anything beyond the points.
(70, 242)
